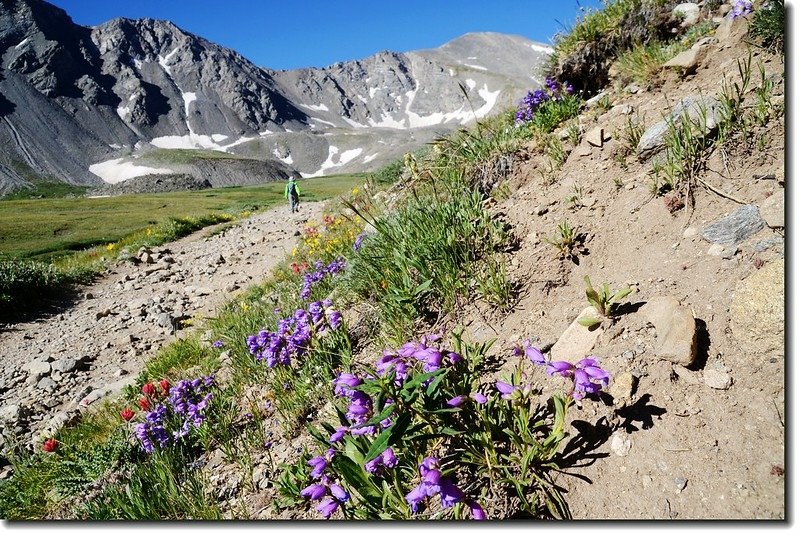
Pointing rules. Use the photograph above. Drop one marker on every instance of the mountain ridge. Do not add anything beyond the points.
(127, 86)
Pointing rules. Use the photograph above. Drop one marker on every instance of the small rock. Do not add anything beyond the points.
(680, 483)
(10, 413)
(676, 330)
(729, 252)
(716, 250)
(596, 136)
(65, 365)
(735, 227)
(595, 99)
(687, 61)
(37, 369)
(164, 320)
(689, 232)
(621, 443)
(692, 108)
(147, 258)
(731, 30)
(102, 314)
(45, 383)
(89, 295)
(686, 375)
(622, 387)
(584, 149)
(772, 210)
(717, 379)
(577, 340)
(540, 210)
(688, 13)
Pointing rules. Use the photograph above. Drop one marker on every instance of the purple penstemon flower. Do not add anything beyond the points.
(588, 377)
(507, 390)
(456, 401)
(358, 241)
(431, 484)
(479, 398)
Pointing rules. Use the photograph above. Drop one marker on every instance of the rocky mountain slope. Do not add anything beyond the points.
(82, 104)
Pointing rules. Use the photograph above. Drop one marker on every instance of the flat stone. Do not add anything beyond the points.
(577, 341)
(717, 379)
(757, 315)
(584, 149)
(716, 250)
(676, 330)
(735, 227)
(688, 376)
(596, 136)
(688, 60)
(772, 210)
(689, 232)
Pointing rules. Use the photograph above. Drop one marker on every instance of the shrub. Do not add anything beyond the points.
(769, 24)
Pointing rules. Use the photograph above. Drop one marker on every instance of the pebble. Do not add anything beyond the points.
(680, 483)
(621, 443)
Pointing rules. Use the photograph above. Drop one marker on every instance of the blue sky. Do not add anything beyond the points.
(288, 34)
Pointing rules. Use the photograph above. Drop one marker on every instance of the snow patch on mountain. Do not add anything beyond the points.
(315, 107)
(119, 170)
(544, 49)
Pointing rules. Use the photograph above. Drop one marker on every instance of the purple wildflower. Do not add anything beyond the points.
(218, 344)
(479, 398)
(588, 377)
(327, 507)
(476, 510)
(456, 401)
(315, 491)
(741, 8)
(505, 389)
(358, 241)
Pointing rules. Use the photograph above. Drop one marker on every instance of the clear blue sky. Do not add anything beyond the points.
(288, 34)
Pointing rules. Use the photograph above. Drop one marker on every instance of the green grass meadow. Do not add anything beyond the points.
(44, 229)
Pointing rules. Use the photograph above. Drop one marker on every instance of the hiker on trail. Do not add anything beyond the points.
(292, 192)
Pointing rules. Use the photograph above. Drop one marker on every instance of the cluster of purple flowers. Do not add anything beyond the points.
(552, 90)
(330, 494)
(432, 483)
(741, 8)
(424, 352)
(319, 273)
(294, 334)
(360, 409)
(169, 422)
(587, 375)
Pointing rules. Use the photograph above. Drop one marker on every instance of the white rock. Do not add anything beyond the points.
(621, 443)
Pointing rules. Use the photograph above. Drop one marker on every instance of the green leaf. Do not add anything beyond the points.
(380, 444)
(589, 321)
(409, 387)
(387, 410)
(357, 478)
(424, 287)
(623, 293)
(435, 384)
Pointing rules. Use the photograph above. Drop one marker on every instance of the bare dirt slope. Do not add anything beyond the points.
(674, 440)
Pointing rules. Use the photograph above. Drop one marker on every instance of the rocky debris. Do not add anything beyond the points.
(735, 227)
(688, 13)
(73, 359)
(772, 210)
(757, 316)
(577, 341)
(676, 330)
(703, 112)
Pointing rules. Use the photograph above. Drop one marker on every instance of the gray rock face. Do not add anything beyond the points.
(72, 96)
(703, 112)
(735, 227)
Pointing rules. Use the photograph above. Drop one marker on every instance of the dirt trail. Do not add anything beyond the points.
(55, 366)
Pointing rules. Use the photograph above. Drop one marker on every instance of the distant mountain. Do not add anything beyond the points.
(88, 105)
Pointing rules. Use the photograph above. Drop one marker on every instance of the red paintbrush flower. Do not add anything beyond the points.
(164, 384)
(144, 404)
(50, 445)
(127, 414)
(149, 389)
